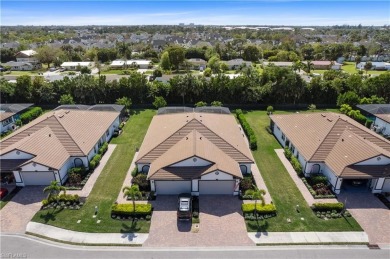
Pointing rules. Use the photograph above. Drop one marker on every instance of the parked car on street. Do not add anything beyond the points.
(184, 210)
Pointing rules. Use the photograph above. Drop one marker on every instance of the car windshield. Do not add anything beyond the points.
(184, 205)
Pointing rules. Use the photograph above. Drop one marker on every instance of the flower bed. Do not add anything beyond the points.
(63, 201)
(262, 211)
(247, 185)
(330, 210)
(319, 190)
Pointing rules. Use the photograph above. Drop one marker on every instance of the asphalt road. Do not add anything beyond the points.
(13, 246)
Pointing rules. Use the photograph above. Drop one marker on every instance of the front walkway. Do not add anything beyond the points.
(266, 238)
(298, 182)
(86, 238)
(92, 179)
(260, 183)
(127, 182)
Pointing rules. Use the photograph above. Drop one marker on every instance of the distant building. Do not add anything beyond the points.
(10, 113)
(375, 66)
(76, 65)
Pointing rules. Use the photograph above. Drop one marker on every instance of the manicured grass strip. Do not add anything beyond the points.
(107, 187)
(285, 195)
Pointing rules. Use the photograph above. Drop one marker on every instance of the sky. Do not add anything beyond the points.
(212, 12)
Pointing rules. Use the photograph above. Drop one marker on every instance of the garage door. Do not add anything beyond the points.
(216, 187)
(37, 178)
(172, 187)
(386, 185)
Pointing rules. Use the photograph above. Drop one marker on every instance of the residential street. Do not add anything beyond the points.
(27, 247)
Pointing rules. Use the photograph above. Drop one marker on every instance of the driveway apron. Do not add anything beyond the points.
(20, 210)
(221, 224)
(370, 213)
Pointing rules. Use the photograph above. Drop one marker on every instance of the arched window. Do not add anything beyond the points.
(315, 169)
(78, 162)
(145, 169)
(244, 169)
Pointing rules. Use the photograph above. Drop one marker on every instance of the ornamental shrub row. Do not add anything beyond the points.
(338, 206)
(250, 208)
(31, 114)
(247, 129)
(103, 148)
(293, 160)
(95, 161)
(128, 209)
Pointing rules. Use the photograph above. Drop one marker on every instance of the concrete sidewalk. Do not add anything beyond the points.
(86, 238)
(298, 181)
(92, 179)
(263, 238)
(267, 238)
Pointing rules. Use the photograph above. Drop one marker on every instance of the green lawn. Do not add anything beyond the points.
(318, 71)
(107, 187)
(350, 67)
(284, 193)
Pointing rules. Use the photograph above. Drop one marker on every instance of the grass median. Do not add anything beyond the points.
(107, 187)
(285, 194)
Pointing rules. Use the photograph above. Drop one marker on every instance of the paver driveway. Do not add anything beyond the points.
(221, 224)
(19, 211)
(371, 214)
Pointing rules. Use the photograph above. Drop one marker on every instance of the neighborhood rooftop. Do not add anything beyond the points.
(335, 139)
(68, 132)
(375, 108)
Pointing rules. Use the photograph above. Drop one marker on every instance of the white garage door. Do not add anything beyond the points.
(386, 185)
(216, 187)
(37, 178)
(172, 187)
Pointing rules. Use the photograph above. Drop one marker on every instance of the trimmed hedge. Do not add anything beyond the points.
(95, 161)
(250, 208)
(31, 114)
(247, 129)
(293, 160)
(103, 148)
(141, 210)
(338, 206)
(77, 170)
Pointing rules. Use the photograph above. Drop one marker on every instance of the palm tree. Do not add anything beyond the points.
(367, 66)
(297, 65)
(258, 194)
(309, 66)
(133, 192)
(54, 189)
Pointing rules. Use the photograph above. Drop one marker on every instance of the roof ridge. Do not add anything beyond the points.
(338, 119)
(68, 134)
(223, 140)
(166, 139)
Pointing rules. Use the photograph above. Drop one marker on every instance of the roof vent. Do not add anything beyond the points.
(67, 111)
(323, 115)
(200, 138)
(60, 116)
(49, 135)
(330, 120)
(186, 138)
(342, 140)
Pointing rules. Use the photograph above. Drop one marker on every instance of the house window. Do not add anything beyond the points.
(292, 149)
(7, 121)
(277, 127)
(244, 169)
(107, 133)
(283, 136)
(145, 169)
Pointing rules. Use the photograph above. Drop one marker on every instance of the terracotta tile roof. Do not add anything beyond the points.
(350, 149)
(168, 129)
(5, 115)
(366, 171)
(55, 136)
(332, 138)
(191, 145)
(384, 117)
(182, 173)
